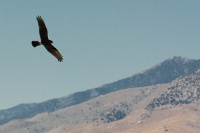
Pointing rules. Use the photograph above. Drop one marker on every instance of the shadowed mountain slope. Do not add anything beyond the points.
(172, 107)
(163, 73)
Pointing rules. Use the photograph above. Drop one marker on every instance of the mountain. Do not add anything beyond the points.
(184, 91)
(171, 107)
(162, 73)
(107, 108)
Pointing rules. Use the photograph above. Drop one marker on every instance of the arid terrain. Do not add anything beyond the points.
(172, 107)
(180, 119)
(93, 116)
(94, 113)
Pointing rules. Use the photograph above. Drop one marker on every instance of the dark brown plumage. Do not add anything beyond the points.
(45, 41)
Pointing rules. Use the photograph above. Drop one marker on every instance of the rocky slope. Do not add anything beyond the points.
(184, 90)
(180, 119)
(149, 109)
(163, 73)
(103, 109)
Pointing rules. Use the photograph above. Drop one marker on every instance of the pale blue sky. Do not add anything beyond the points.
(101, 40)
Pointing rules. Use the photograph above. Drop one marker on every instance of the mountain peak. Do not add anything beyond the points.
(165, 72)
(170, 61)
(180, 59)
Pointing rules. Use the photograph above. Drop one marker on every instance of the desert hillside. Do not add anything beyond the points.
(162, 73)
(96, 112)
(171, 107)
(180, 119)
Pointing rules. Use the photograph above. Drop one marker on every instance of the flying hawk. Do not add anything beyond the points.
(45, 41)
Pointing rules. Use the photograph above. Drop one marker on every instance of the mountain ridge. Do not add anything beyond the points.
(127, 107)
(164, 72)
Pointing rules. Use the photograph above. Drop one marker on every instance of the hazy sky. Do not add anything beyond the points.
(101, 40)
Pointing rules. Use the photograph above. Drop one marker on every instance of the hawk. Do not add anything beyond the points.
(45, 41)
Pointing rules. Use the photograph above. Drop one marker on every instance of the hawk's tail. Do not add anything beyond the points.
(35, 43)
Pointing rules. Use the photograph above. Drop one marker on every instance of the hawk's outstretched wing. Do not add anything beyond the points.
(54, 52)
(42, 29)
